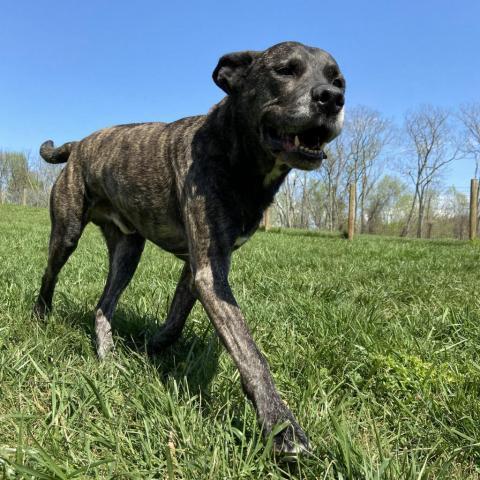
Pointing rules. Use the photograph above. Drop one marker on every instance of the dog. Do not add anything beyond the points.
(197, 188)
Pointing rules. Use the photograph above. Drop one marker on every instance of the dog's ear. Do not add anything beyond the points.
(231, 69)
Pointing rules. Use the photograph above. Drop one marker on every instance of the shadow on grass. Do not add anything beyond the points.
(192, 359)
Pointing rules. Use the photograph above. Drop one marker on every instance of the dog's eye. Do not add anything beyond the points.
(293, 68)
(339, 83)
(286, 70)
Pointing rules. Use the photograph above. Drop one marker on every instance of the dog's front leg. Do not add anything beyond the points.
(211, 282)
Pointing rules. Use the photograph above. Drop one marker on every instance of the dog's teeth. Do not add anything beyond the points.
(297, 141)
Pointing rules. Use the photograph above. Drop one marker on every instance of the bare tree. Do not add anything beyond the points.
(383, 199)
(456, 212)
(3, 175)
(304, 199)
(470, 117)
(24, 177)
(368, 133)
(285, 200)
(334, 174)
(46, 174)
(296, 204)
(19, 176)
(431, 147)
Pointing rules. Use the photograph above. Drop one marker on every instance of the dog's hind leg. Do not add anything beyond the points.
(68, 218)
(124, 254)
(182, 304)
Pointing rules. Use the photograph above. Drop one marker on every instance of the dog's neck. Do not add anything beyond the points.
(243, 150)
(251, 175)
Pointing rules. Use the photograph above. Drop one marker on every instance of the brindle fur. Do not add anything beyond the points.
(194, 187)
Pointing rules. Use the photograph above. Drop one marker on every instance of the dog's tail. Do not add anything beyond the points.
(56, 155)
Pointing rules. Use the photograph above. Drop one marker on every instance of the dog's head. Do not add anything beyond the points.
(291, 97)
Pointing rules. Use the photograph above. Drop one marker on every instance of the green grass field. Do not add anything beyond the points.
(374, 345)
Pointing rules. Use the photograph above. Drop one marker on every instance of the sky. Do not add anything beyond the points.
(68, 68)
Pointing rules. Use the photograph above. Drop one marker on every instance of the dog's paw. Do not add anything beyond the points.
(103, 333)
(39, 310)
(291, 442)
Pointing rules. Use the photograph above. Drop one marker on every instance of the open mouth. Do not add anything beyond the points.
(308, 143)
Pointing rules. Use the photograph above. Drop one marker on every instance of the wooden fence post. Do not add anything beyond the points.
(429, 229)
(24, 197)
(351, 210)
(473, 207)
(266, 219)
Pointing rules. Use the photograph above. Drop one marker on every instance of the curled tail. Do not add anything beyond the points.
(56, 155)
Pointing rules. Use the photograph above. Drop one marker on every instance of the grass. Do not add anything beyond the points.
(374, 344)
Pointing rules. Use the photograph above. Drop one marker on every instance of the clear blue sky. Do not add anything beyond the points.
(70, 67)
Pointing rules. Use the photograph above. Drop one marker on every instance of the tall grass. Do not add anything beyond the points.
(374, 345)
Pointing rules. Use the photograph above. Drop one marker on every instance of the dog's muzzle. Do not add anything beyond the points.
(308, 142)
(305, 143)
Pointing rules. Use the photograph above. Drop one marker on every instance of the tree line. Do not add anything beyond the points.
(400, 172)
(25, 179)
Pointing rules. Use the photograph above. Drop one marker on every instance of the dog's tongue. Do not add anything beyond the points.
(288, 143)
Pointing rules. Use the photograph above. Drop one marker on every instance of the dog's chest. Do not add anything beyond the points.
(241, 240)
(277, 172)
(246, 234)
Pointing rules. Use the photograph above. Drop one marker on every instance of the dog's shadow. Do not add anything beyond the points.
(193, 358)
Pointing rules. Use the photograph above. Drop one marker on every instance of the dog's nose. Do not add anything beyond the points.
(329, 99)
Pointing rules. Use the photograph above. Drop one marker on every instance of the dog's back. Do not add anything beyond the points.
(129, 175)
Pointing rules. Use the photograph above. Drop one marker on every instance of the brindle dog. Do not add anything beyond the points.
(197, 188)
